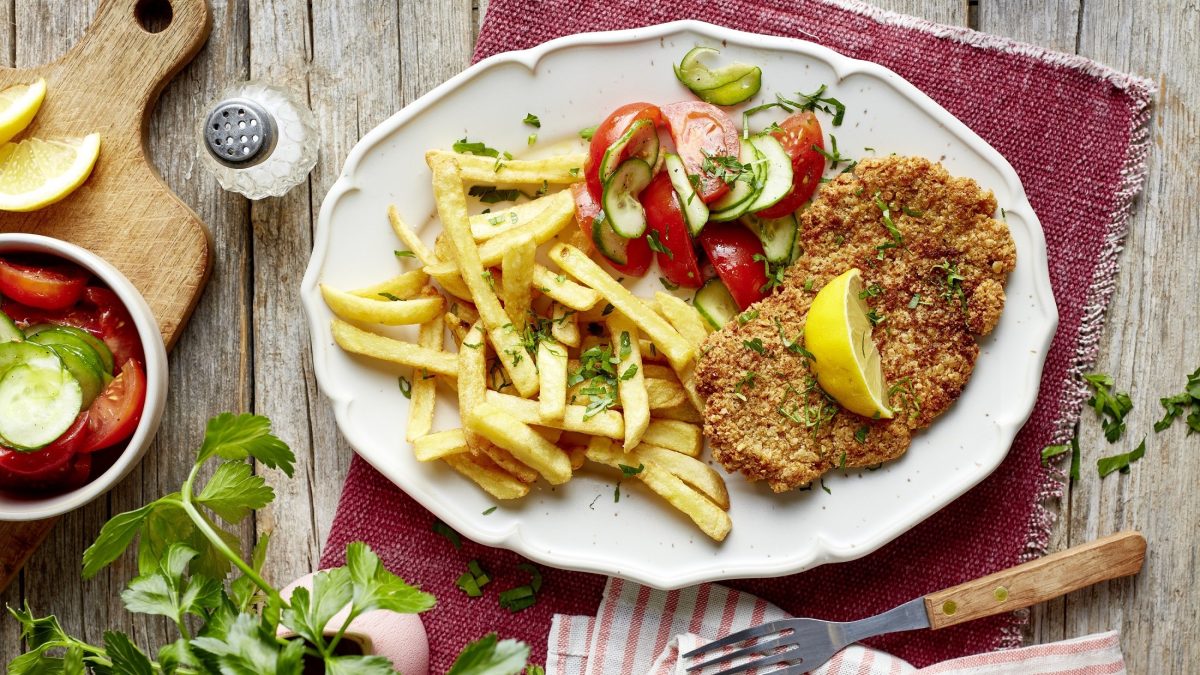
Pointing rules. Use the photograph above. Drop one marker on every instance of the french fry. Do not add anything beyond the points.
(505, 460)
(484, 226)
(660, 372)
(409, 236)
(358, 341)
(386, 312)
(691, 471)
(604, 423)
(682, 317)
(687, 377)
(573, 438)
(521, 440)
(674, 435)
(402, 286)
(631, 381)
(549, 433)
(563, 326)
(440, 444)
(557, 170)
(684, 412)
(472, 378)
(458, 328)
(424, 385)
(517, 269)
(494, 480)
(667, 339)
(465, 312)
(542, 228)
(563, 290)
(453, 211)
(664, 394)
(552, 371)
(578, 455)
(709, 517)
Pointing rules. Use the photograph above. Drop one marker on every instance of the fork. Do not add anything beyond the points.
(804, 644)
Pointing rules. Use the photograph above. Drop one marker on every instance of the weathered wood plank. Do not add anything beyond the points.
(10, 632)
(951, 12)
(1054, 25)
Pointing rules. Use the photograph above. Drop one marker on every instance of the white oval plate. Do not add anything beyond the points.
(572, 83)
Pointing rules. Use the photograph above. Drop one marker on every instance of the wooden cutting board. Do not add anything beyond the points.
(125, 213)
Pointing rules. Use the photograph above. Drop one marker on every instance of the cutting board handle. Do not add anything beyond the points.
(120, 48)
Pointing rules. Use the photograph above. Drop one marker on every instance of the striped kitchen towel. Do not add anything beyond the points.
(641, 630)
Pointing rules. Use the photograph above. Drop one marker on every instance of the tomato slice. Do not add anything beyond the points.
(733, 248)
(43, 284)
(46, 467)
(114, 325)
(637, 251)
(702, 129)
(665, 219)
(798, 134)
(610, 130)
(115, 413)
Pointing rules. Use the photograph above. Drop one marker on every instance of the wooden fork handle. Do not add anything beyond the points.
(1043, 579)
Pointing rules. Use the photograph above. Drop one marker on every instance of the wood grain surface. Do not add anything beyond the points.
(360, 60)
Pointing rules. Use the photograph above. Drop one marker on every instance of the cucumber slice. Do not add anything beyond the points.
(735, 92)
(642, 140)
(610, 244)
(8, 330)
(83, 369)
(59, 335)
(37, 404)
(742, 192)
(102, 350)
(778, 235)
(21, 353)
(777, 170)
(620, 200)
(715, 304)
(695, 211)
(727, 85)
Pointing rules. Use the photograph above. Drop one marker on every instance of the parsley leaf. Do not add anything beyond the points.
(234, 491)
(465, 147)
(755, 345)
(586, 134)
(166, 592)
(490, 656)
(532, 120)
(656, 245)
(249, 647)
(404, 254)
(239, 436)
(815, 101)
(374, 587)
(126, 658)
(1186, 402)
(1121, 462)
(669, 285)
(451, 536)
(1111, 406)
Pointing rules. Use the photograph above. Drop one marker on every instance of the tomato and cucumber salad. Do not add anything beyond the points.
(72, 374)
(681, 183)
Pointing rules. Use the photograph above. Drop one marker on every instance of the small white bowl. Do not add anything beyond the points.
(31, 507)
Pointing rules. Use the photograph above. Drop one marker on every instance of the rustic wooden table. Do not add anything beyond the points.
(359, 61)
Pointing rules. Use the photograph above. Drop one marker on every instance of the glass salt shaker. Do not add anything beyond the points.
(259, 140)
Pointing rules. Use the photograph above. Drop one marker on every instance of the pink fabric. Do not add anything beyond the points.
(1075, 132)
(639, 616)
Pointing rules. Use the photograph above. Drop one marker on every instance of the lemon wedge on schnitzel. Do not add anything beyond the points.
(845, 358)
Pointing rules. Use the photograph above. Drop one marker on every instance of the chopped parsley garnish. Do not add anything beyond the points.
(465, 147)
(755, 345)
(1187, 401)
(626, 348)
(405, 387)
(909, 401)
(608, 309)
(586, 134)
(388, 296)
(860, 435)
(532, 120)
(669, 285)
(952, 285)
(916, 300)
(911, 212)
(726, 168)
(656, 245)
(875, 317)
(747, 382)
(474, 579)
(597, 367)
(806, 413)
(522, 597)
(531, 139)
(827, 490)
(872, 291)
(404, 254)
(834, 157)
(815, 101)
(489, 511)
(1052, 451)
(747, 316)
(574, 171)
(773, 271)
(489, 278)
(488, 194)
(794, 346)
(629, 373)
(897, 239)
(451, 536)
(1121, 462)
(809, 283)
(626, 472)
(1111, 406)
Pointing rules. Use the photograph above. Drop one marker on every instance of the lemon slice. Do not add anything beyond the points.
(18, 105)
(845, 359)
(36, 173)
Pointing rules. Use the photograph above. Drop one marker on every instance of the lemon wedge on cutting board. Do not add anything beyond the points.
(36, 173)
(18, 105)
(845, 358)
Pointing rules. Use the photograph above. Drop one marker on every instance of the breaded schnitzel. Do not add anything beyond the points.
(934, 263)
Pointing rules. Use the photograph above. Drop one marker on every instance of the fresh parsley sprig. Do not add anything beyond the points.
(227, 624)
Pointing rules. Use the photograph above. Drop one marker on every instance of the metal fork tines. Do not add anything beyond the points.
(802, 644)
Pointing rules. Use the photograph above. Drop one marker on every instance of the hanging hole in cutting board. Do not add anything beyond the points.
(154, 16)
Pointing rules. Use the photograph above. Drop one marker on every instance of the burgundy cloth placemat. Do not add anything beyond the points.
(1075, 131)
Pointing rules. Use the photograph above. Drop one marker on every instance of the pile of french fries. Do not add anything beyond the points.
(552, 368)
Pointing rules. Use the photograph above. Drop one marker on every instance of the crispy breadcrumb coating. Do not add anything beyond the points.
(935, 287)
